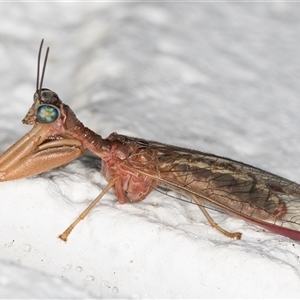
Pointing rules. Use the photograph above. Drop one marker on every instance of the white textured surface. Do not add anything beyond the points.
(218, 77)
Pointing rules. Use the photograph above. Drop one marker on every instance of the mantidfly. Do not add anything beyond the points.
(134, 167)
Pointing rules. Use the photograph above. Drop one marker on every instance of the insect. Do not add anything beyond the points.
(134, 167)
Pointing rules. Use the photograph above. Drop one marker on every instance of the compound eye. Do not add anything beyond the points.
(47, 113)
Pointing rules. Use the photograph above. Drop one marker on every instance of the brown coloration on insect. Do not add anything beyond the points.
(135, 167)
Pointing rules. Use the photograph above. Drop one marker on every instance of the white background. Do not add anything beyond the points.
(217, 77)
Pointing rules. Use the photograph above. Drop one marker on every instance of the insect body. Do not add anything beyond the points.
(134, 167)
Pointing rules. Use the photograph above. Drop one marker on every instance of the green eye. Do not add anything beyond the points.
(47, 113)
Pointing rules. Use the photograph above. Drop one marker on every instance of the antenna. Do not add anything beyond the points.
(39, 83)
